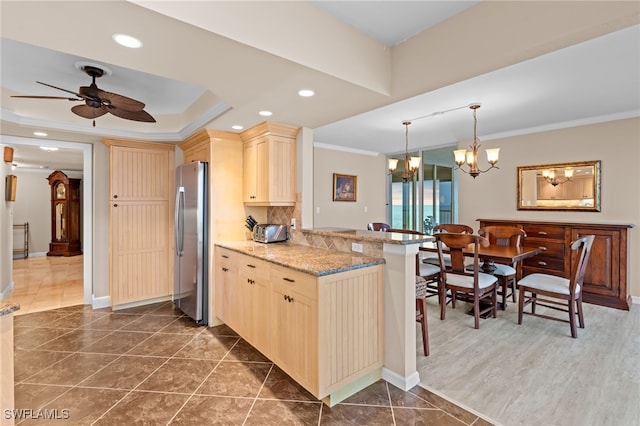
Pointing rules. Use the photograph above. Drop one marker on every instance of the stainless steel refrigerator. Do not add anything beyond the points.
(190, 287)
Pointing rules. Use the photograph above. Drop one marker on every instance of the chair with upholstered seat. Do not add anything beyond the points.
(562, 294)
(378, 226)
(504, 235)
(474, 286)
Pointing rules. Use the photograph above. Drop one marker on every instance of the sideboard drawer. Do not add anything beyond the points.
(542, 262)
(544, 231)
(549, 248)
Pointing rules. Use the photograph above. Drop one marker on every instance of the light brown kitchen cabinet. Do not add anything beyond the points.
(140, 222)
(269, 165)
(295, 318)
(227, 295)
(324, 331)
(254, 290)
(606, 277)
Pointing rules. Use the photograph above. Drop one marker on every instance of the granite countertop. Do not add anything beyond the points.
(310, 260)
(360, 234)
(7, 308)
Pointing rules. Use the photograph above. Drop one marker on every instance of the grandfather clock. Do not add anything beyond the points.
(65, 215)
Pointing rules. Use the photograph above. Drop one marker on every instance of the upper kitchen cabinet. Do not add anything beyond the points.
(269, 162)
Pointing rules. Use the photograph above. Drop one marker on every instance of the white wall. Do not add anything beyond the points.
(616, 144)
(371, 189)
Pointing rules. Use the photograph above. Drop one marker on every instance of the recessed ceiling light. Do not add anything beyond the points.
(43, 134)
(127, 41)
(265, 113)
(49, 148)
(237, 127)
(305, 93)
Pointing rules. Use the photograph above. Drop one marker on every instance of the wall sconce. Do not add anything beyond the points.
(411, 164)
(470, 158)
(8, 154)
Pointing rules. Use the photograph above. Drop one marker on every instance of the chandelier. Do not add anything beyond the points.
(411, 164)
(550, 176)
(463, 157)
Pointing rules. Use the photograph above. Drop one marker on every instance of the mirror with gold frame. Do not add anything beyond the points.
(564, 186)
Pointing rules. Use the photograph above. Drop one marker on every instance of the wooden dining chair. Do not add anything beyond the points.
(504, 235)
(427, 284)
(378, 226)
(473, 286)
(457, 228)
(562, 294)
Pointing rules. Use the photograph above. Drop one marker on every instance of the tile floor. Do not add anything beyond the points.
(151, 365)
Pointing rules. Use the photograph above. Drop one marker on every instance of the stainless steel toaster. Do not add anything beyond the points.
(269, 233)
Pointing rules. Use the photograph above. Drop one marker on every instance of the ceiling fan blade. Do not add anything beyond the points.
(86, 111)
(45, 97)
(121, 102)
(141, 115)
(60, 88)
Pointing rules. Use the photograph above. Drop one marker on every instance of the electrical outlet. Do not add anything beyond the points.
(357, 247)
(293, 223)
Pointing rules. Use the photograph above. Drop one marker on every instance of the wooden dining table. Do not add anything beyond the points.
(508, 255)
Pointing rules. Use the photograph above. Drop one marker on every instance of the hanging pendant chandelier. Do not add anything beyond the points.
(411, 164)
(469, 159)
(550, 176)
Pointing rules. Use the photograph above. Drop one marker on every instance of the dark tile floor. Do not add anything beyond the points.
(153, 366)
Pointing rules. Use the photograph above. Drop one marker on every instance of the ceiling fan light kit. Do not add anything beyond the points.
(98, 102)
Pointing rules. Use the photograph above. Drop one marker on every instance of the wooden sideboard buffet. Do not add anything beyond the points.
(606, 279)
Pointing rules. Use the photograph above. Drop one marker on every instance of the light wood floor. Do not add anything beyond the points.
(46, 282)
(535, 373)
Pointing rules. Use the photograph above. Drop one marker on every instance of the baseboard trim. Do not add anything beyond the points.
(101, 302)
(141, 303)
(402, 382)
(635, 300)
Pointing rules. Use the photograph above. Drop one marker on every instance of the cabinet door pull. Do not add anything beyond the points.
(542, 263)
(289, 280)
(115, 196)
(542, 233)
(225, 270)
(115, 205)
(224, 256)
(251, 266)
(543, 248)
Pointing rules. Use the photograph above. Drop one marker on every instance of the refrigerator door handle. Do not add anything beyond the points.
(179, 222)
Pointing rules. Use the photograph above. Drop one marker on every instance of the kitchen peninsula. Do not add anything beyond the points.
(399, 251)
(316, 313)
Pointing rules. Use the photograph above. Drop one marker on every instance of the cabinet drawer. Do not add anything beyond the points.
(296, 281)
(544, 231)
(549, 248)
(226, 257)
(542, 262)
(254, 267)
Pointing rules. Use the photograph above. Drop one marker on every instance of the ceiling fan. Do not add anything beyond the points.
(98, 102)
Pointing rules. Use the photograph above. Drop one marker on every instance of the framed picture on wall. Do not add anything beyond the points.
(345, 187)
